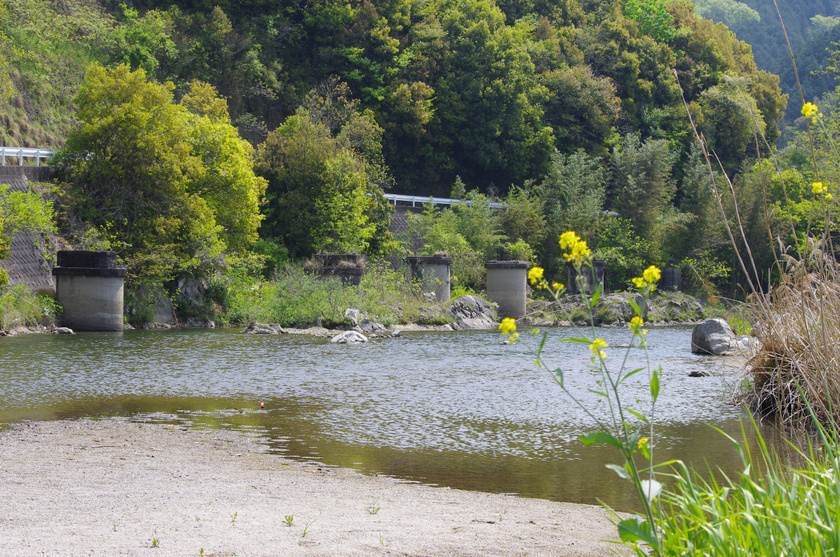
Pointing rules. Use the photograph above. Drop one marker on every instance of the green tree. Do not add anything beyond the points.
(522, 218)
(325, 176)
(157, 178)
(731, 121)
(582, 109)
(701, 229)
(224, 176)
(736, 15)
(143, 41)
(653, 18)
(642, 187)
(488, 121)
(572, 196)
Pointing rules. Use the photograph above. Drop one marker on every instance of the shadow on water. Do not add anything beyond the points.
(449, 409)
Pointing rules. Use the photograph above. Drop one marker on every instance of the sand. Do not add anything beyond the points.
(114, 487)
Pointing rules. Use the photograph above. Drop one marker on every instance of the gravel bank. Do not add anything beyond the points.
(112, 487)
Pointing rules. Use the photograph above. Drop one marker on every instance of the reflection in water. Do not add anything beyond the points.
(454, 409)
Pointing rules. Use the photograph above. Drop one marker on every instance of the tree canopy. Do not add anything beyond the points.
(171, 183)
(325, 179)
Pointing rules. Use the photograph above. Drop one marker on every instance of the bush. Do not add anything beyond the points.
(20, 306)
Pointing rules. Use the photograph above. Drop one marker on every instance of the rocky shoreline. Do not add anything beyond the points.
(470, 312)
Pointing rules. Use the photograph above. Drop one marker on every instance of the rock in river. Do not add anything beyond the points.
(716, 337)
(471, 312)
(349, 337)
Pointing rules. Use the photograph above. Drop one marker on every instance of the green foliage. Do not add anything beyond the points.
(323, 167)
(488, 119)
(582, 109)
(520, 250)
(705, 273)
(642, 186)
(522, 221)
(142, 41)
(625, 253)
(653, 18)
(443, 236)
(21, 212)
(731, 119)
(19, 306)
(175, 186)
(794, 505)
(44, 50)
(471, 233)
(276, 255)
(702, 226)
(479, 224)
(296, 298)
(572, 195)
(738, 16)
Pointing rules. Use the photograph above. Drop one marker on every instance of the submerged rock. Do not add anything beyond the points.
(64, 331)
(260, 329)
(349, 337)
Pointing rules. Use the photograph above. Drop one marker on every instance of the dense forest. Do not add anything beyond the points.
(192, 131)
(811, 27)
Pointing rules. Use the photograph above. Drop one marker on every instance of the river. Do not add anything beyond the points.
(450, 409)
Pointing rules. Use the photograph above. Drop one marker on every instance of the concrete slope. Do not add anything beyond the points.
(26, 264)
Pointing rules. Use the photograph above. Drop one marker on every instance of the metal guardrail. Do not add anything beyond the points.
(25, 152)
(419, 199)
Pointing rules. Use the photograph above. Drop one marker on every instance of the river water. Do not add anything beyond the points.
(450, 409)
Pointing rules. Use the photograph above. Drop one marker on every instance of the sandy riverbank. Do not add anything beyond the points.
(112, 487)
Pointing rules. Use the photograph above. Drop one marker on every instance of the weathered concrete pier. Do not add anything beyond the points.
(432, 274)
(89, 286)
(507, 286)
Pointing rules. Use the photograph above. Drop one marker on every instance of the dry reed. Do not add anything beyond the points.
(798, 323)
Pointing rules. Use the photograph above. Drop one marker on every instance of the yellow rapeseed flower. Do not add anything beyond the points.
(576, 248)
(535, 274)
(639, 282)
(828, 197)
(643, 442)
(568, 240)
(817, 188)
(507, 326)
(557, 286)
(636, 323)
(809, 110)
(596, 346)
(652, 274)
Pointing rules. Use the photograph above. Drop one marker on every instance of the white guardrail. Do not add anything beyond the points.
(420, 200)
(25, 152)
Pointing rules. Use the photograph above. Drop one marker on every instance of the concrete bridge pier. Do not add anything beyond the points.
(89, 287)
(507, 286)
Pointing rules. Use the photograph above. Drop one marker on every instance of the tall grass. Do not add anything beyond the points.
(296, 298)
(796, 374)
(21, 307)
(770, 508)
